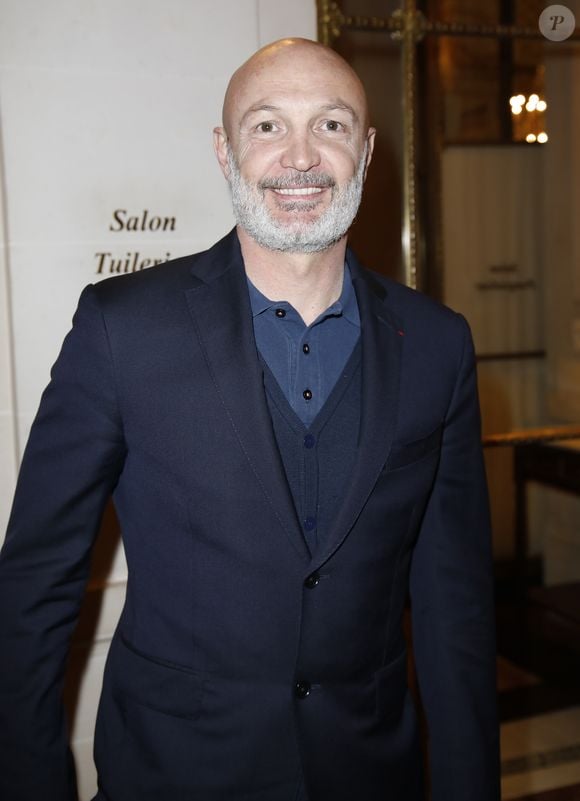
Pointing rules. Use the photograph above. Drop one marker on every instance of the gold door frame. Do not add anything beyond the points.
(408, 26)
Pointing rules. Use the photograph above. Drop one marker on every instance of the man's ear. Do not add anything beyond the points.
(220, 146)
(370, 147)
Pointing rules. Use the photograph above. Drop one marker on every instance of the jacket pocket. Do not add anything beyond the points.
(391, 688)
(154, 683)
(402, 455)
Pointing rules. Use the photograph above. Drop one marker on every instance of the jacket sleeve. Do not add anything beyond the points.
(453, 609)
(71, 464)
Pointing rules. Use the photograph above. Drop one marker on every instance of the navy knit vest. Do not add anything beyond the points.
(319, 459)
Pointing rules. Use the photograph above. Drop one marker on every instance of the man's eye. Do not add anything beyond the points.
(332, 125)
(265, 127)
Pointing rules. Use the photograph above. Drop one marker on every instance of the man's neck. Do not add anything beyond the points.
(310, 282)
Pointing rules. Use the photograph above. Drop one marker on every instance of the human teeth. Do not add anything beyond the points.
(307, 190)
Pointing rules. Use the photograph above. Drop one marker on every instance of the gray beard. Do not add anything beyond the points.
(301, 236)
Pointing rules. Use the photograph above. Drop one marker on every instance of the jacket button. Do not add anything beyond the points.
(309, 524)
(302, 689)
(312, 581)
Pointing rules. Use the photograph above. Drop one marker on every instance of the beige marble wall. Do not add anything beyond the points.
(8, 444)
(105, 107)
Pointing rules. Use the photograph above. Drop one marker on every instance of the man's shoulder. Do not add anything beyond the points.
(433, 336)
(155, 284)
(171, 274)
(411, 306)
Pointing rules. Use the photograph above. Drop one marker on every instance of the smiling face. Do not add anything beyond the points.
(295, 146)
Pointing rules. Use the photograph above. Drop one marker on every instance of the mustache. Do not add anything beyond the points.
(298, 180)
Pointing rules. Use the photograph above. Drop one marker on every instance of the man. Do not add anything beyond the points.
(291, 443)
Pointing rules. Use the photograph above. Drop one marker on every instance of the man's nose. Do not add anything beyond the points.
(300, 152)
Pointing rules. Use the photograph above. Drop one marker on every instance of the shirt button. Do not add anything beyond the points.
(307, 394)
(312, 580)
(280, 313)
(309, 441)
(306, 348)
(302, 689)
(310, 524)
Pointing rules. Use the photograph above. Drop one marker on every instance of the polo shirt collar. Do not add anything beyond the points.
(346, 305)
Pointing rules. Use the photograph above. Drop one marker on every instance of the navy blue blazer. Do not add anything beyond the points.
(241, 661)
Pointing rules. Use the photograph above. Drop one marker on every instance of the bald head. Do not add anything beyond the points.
(290, 62)
(295, 146)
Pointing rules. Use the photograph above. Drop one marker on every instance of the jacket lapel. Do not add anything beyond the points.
(382, 339)
(220, 308)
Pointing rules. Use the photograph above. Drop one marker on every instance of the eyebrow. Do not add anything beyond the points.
(259, 107)
(341, 106)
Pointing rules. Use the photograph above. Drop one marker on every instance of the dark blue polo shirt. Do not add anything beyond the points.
(306, 361)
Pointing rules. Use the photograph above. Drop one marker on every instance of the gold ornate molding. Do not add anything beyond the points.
(491, 31)
(530, 436)
(331, 21)
(410, 32)
(408, 26)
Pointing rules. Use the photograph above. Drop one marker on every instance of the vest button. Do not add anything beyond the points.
(312, 580)
(302, 689)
